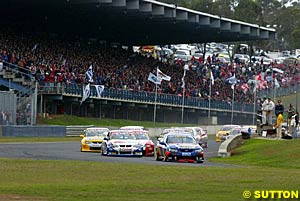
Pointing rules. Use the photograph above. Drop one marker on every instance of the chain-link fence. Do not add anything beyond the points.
(8, 108)
(16, 108)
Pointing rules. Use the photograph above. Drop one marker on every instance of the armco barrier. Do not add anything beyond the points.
(228, 145)
(76, 130)
(33, 131)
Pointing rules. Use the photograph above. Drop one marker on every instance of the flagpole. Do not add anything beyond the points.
(154, 115)
(209, 98)
(182, 105)
(254, 107)
(232, 104)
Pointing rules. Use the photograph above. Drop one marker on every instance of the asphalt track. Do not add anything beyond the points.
(71, 151)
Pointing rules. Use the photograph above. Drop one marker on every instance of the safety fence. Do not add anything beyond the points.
(32, 131)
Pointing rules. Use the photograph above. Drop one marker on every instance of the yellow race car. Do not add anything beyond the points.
(92, 139)
(224, 132)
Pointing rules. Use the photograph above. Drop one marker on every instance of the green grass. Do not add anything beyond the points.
(67, 120)
(266, 153)
(73, 180)
(259, 165)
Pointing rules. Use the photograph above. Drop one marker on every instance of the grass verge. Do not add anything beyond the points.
(67, 120)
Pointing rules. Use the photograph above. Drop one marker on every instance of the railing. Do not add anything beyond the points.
(18, 70)
(142, 97)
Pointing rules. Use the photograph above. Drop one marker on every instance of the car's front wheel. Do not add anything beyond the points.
(104, 151)
(199, 160)
(166, 158)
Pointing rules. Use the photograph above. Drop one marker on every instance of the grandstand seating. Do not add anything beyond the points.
(57, 62)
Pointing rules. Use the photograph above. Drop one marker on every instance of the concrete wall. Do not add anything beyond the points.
(33, 131)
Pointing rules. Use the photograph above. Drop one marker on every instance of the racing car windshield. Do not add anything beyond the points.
(141, 136)
(122, 136)
(96, 133)
(180, 139)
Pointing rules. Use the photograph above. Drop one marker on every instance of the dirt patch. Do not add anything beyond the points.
(15, 197)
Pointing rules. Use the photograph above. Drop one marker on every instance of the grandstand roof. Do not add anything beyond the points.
(132, 22)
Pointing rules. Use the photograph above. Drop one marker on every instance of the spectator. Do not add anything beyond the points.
(294, 124)
(278, 126)
(279, 108)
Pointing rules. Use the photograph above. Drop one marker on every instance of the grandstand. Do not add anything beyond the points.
(45, 55)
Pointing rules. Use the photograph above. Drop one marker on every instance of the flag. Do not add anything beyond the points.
(99, 89)
(34, 47)
(277, 70)
(162, 76)
(245, 87)
(182, 79)
(277, 85)
(64, 62)
(212, 78)
(232, 80)
(255, 84)
(86, 93)
(89, 74)
(154, 79)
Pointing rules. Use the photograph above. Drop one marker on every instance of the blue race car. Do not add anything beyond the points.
(179, 146)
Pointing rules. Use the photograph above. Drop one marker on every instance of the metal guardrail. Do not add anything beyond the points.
(76, 130)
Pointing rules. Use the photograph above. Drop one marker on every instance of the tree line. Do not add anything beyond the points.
(268, 13)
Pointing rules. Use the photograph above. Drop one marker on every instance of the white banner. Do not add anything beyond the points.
(89, 74)
(86, 93)
(162, 76)
(99, 89)
(154, 79)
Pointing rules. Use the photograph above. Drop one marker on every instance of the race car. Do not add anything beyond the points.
(121, 143)
(92, 139)
(170, 130)
(132, 128)
(181, 147)
(224, 131)
(143, 138)
(199, 134)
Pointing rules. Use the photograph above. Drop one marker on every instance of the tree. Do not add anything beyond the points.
(248, 11)
(296, 38)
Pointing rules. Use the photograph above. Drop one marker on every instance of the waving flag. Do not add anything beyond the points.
(162, 76)
(277, 85)
(154, 79)
(89, 74)
(232, 79)
(212, 79)
(278, 70)
(86, 93)
(182, 79)
(34, 47)
(99, 89)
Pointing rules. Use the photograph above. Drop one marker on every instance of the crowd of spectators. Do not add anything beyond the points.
(55, 59)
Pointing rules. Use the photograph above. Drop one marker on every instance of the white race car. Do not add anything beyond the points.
(121, 143)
